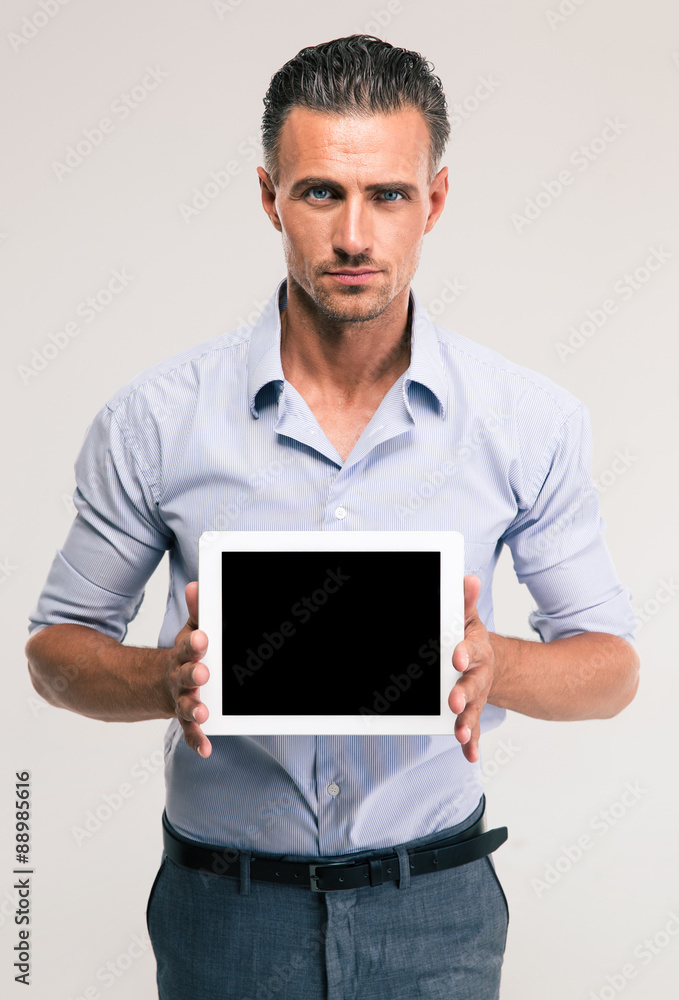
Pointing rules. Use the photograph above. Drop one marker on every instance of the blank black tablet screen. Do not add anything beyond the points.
(331, 633)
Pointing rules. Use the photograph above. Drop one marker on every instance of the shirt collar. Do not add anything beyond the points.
(264, 354)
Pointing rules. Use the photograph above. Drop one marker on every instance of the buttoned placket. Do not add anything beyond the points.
(296, 420)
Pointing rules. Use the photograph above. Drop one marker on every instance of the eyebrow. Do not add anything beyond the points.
(299, 186)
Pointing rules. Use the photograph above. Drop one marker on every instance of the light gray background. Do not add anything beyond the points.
(554, 87)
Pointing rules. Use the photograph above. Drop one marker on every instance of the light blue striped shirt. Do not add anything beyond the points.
(216, 439)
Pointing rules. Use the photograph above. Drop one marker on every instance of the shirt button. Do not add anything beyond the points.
(340, 512)
(333, 789)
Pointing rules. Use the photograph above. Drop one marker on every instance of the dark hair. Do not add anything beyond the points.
(359, 75)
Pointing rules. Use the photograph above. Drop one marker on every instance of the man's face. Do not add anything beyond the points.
(332, 217)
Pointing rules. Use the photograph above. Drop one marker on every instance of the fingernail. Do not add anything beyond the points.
(194, 713)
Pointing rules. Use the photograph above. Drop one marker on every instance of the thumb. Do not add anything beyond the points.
(472, 589)
(191, 594)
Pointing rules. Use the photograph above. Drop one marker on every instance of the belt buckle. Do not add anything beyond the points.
(313, 877)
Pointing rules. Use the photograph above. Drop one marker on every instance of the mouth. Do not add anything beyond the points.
(349, 277)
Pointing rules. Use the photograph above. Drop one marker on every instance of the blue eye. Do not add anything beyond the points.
(391, 201)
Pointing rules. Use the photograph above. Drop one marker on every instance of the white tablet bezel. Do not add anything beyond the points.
(210, 548)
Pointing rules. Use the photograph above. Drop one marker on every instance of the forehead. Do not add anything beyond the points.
(313, 139)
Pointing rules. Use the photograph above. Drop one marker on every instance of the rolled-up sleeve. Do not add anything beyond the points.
(116, 541)
(558, 547)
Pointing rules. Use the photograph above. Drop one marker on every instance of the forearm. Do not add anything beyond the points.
(85, 671)
(593, 675)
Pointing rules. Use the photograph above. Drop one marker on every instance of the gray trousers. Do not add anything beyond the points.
(441, 936)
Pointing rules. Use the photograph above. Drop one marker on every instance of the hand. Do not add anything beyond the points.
(185, 675)
(474, 657)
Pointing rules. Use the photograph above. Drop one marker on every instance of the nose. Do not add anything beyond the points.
(353, 231)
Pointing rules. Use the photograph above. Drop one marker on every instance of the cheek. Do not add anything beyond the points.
(411, 230)
(308, 250)
(401, 235)
(300, 239)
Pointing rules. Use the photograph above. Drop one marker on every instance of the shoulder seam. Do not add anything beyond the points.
(555, 442)
(154, 378)
(447, 344)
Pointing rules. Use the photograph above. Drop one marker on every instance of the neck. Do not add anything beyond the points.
(340, 357)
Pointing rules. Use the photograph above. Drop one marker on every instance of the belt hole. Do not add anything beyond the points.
(341, 880)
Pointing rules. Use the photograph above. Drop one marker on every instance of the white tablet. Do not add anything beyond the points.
(318, 632)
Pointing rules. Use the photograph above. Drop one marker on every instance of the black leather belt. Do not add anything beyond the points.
(331, 876)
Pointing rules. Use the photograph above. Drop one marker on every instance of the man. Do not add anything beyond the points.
(343, 408)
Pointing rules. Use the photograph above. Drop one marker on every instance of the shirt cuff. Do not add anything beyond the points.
(614, 616)
(70, 599)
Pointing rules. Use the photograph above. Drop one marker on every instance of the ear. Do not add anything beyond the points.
(269, 197)
(438, 190)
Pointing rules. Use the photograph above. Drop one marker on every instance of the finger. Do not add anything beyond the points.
(193, 647)
(457, 699)
(191, 709)
(471, 652)
(196, 739)
(192, 676)
(475, 681)
(463, 732)
(191, 594)
(469, 711)
(462, 656)
(470, 693)
(468, 707)
(467, 730)
(471, 748)
(468, 721)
